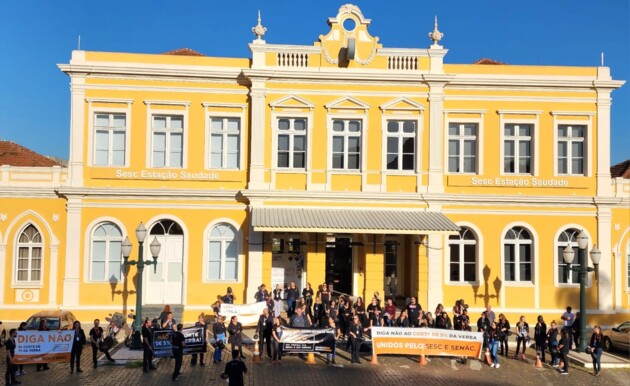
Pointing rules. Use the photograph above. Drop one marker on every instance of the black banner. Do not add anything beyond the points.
(195, 341)
(308, 340)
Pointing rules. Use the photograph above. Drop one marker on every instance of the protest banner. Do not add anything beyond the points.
(307, 340)
(247, 314)
(195, 339)
(426, 341)
(33, 347)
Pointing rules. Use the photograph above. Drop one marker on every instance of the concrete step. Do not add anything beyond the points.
(153, 311)
(608, 360)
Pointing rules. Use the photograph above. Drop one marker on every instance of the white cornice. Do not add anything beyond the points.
(519, 112)
(465, 111)
(241, 106)
(197, 90)
(418, 52)
(285, 48)
(158, 193)
(167, 103)
(574, 113)
(109, 100)
(152, 69)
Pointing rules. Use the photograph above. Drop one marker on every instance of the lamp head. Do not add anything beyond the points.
(141, 232)
(582, 240)
(568, 254)
(155, 247)
(596, 254)
(126, 248)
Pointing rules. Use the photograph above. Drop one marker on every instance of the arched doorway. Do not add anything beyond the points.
(164, 285)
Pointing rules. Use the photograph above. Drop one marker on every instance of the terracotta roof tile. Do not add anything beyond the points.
(488, 61)
(184, 52)
(13, 154)
(622, 170)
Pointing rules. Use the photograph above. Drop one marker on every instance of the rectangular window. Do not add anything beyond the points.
(291, 147)
(565, 275)
(225, 142)
(346, 144)
(510, 263)
(109, 139)
(401, 145)
(168, 141)
(462, 147)
(571, 149)
(391, 257)
(517, 148)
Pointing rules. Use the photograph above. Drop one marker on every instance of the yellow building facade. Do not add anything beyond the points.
(340, 162)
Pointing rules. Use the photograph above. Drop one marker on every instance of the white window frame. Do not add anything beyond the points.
(239, 252)
(628, 267)
(107, 243)
(563, 118)
(92, 111)
(460, 244)
(291, 133)
(177, 108)
(28, 283)
(111, 130)
(416, 135)
(461, 138)
(363, 141)
(517, 258)
(208, 135)
(167, 131)
(504, 118)
(558, 257)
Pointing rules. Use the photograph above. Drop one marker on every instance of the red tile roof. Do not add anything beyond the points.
(13, 154)
(622, 170)
(488, 61)
(184, 52)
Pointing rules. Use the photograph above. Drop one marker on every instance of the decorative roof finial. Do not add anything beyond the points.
(259, 30)
(436, 35)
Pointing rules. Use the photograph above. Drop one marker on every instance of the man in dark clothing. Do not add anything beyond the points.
(262, 295)
(299, 319)
(234, 370)
(96, 339)
(178, 343)
(201, 322)
(9, 376)
(413, 313)
(147, 347)
(356, 338)
(263, 329)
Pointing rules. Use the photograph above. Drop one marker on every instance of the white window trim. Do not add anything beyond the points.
(479, 257)
(364, 129)
(166, 112)
(239, 252)
(418, 119)
(576, 259)
(479, 142)
(30, 283)
(534, 138)
(92, 111)
(627, 267)
(275, 116)
(209, 115)
(535, 263)
(588, 149)
(87, 248)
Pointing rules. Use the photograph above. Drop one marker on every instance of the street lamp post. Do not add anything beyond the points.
(582, 269)
(141, 233)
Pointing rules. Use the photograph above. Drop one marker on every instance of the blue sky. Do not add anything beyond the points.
(36, 35)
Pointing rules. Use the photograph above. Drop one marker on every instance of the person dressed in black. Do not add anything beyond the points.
(201, 322)
(263, 329)
(563, 347)
(96, 339)
(219, 332)
(234, 370)
(235, 330)
(326, 297)
(307, 295)
(178, 342)
(276, 334)
(229, 297)
(540, 337)
(292, 296)
(414, 311)
(552, 343)
(147, 347)
(356, 338)
(597, 345)
(376, 319)
(504, 329)
(43, 326)
(21, 371)
(262, 294)
(77, 347)
(9, 375)
(403, 319)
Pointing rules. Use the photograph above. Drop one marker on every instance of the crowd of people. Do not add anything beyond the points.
(350, 320)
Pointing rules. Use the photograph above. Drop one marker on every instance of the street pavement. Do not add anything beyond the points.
(391, 370)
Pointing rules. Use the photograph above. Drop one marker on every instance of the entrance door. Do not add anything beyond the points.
(339, 265)
(165, 285)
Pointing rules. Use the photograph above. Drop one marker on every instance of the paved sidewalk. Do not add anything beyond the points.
(608, 361)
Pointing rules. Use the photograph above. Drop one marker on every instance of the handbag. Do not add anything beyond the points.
(589, 350)
(554, 350)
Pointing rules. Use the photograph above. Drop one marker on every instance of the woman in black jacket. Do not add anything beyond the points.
(552, 343)
(77, 347)
(218, 332)
(236, 338)
(597, 345)
(504, 330)
(540, 336)
(307, 294)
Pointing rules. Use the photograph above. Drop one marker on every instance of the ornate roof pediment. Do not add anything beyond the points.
(348, 103)
(292, 101)
(402, 104)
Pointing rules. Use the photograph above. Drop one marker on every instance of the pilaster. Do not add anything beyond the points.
(77, 122)
(254, 264)
(374, 267)
(435, 273)
(436, 132)
(72, 277)
(257, 94)
(604, 243)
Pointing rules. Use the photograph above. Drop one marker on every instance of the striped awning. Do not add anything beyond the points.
(345, 220)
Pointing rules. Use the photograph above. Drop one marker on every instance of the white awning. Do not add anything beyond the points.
(346, 220)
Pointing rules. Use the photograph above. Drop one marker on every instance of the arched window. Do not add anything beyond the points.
(29, 255)
(463, 256)
(223, 253)
(565, 275)
(518, 255)
(106, 253)
(166, 227)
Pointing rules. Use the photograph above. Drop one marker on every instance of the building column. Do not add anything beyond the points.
(602, 174)
(54, 267)
(257, 141)
(74, 234)
(604, 243)
(436, 132)
(374, 267)
(435, 272)
(77, 123)
(420, 262)
(254, 264)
